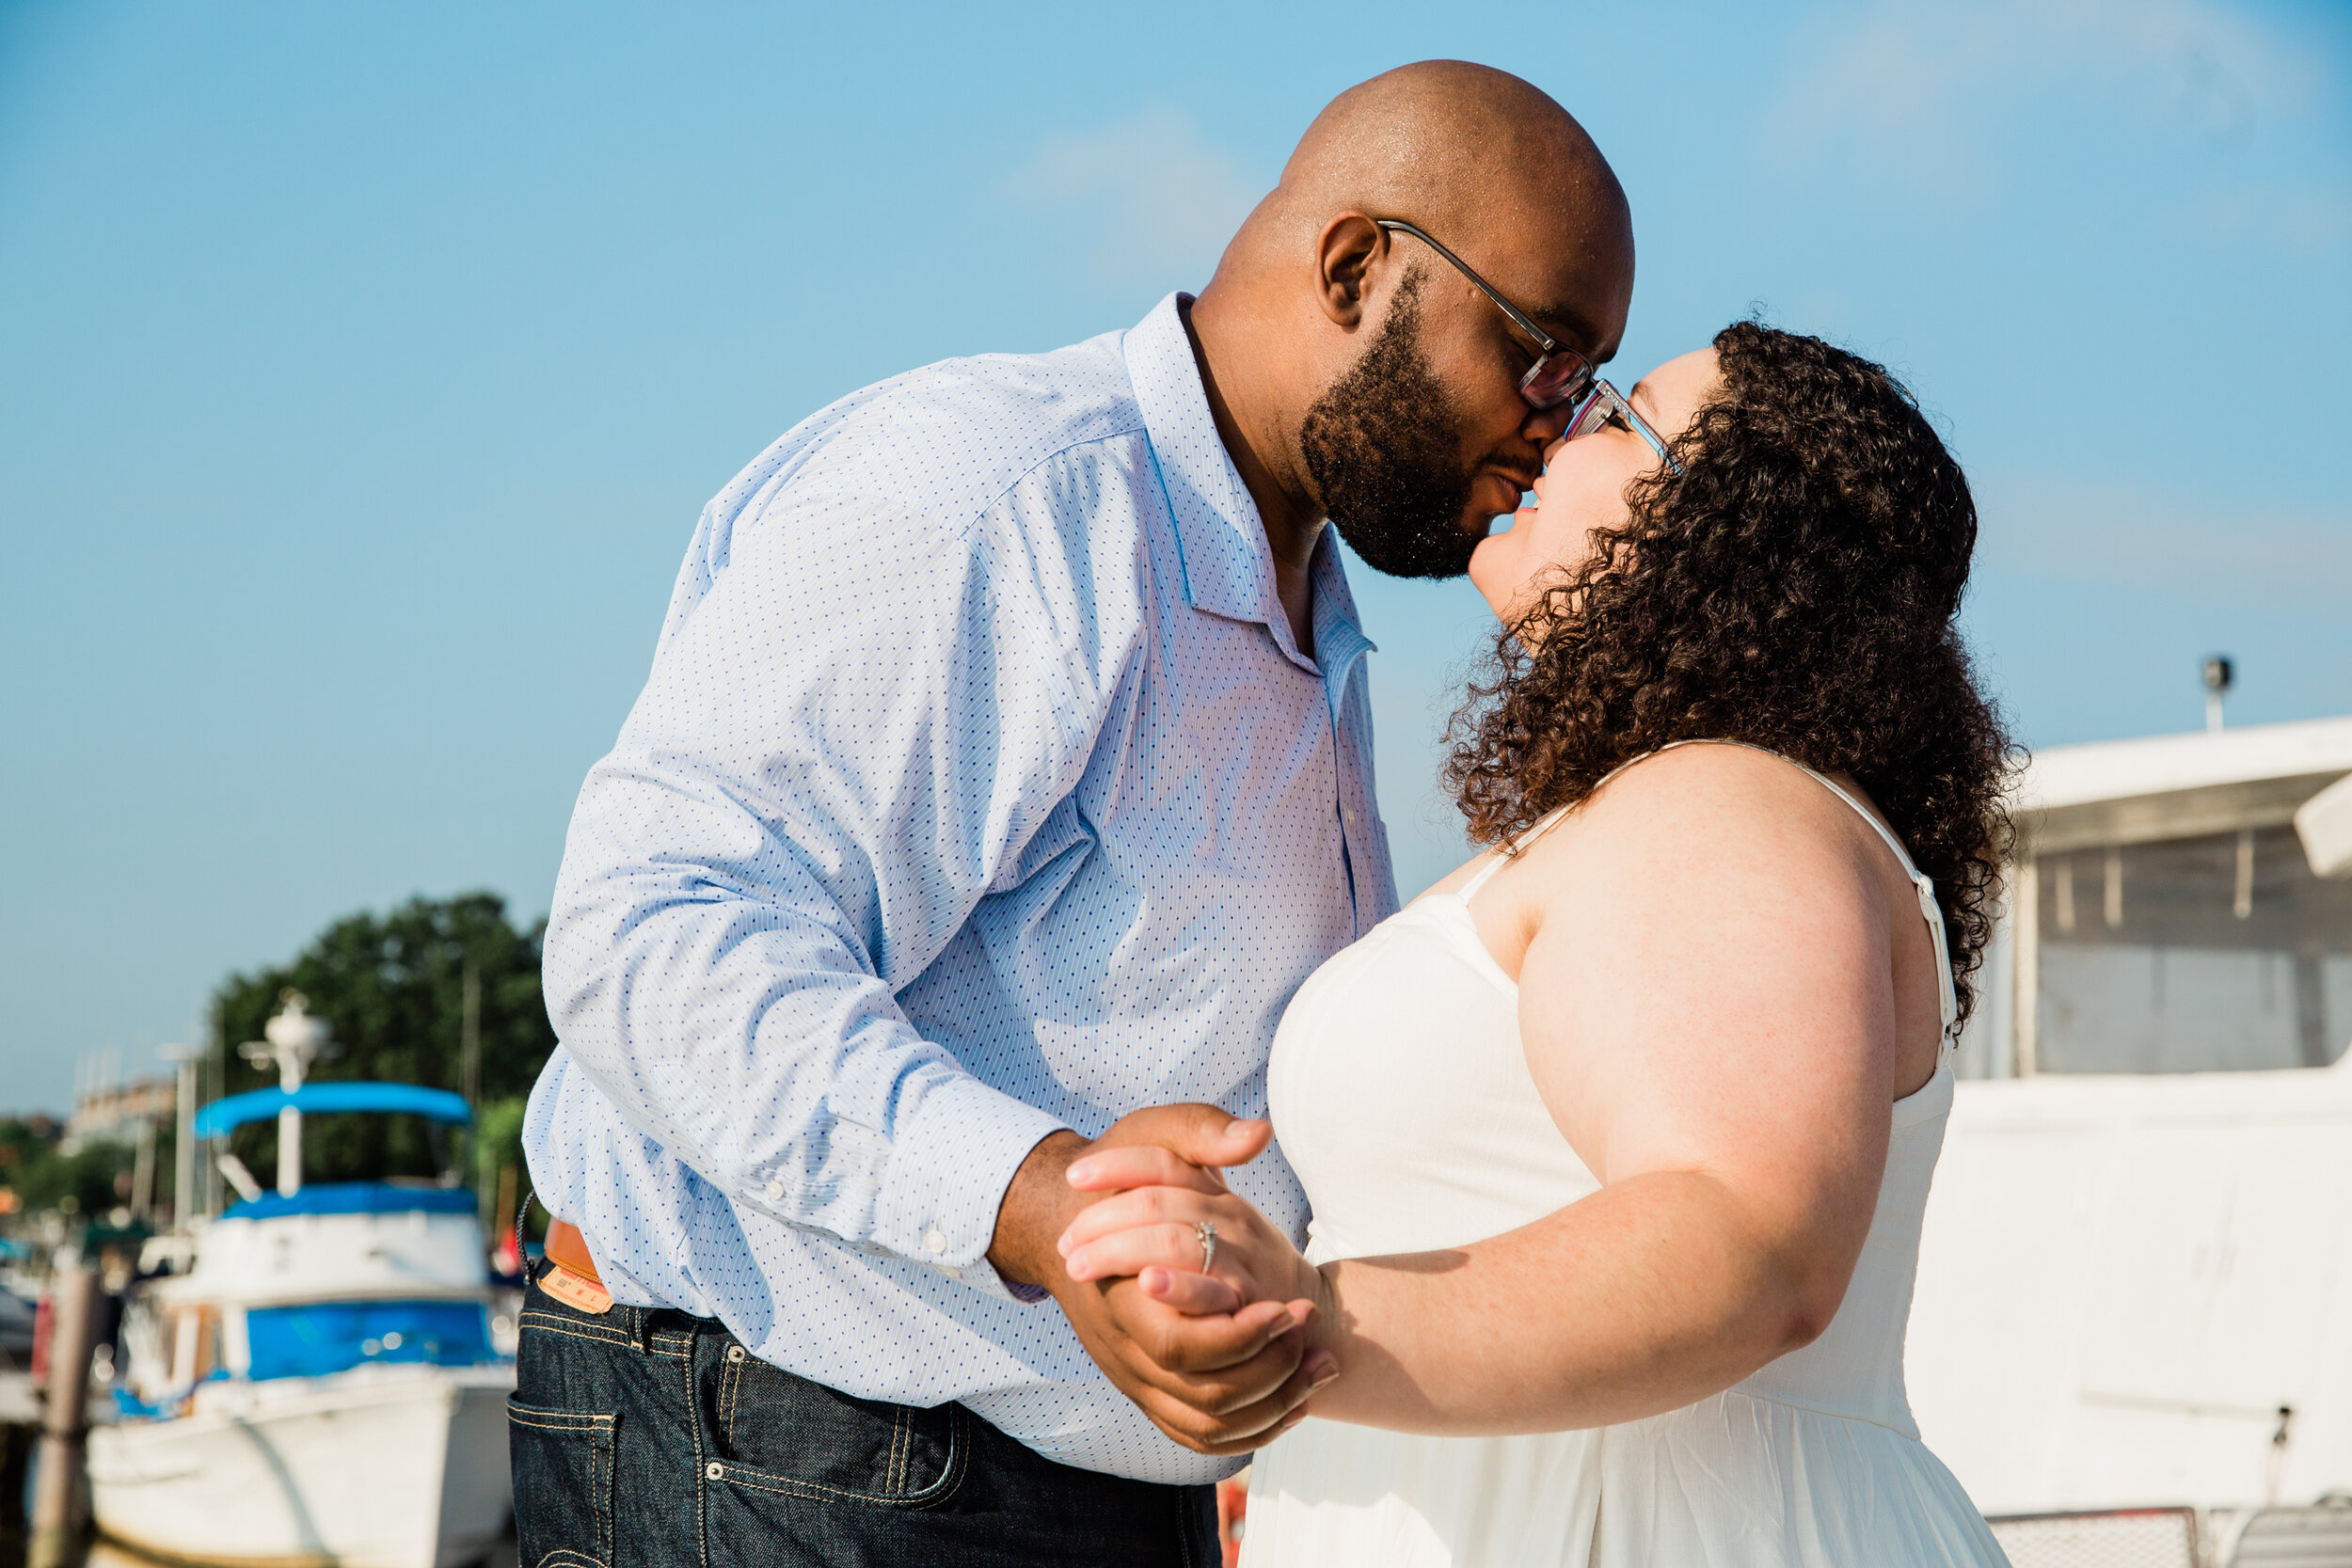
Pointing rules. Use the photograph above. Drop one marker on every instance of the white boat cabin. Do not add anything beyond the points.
(339, 1276)
(2135, 1279)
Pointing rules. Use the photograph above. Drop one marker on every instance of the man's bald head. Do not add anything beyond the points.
(1374, 382)
(1462, 151)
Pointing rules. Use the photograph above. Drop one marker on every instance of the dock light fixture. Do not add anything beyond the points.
(2220, 674)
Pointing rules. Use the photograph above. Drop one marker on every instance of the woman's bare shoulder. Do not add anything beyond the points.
(1715, 814)
(1700, 773)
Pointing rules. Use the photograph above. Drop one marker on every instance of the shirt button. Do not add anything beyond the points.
(952, 1271)
(775, 1191)
(936, 1241)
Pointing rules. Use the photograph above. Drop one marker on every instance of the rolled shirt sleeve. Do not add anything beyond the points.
(856, 720)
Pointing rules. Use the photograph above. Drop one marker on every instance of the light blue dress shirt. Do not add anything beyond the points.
(979, 789)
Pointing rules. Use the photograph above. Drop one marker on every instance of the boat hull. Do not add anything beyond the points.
(387, 1467)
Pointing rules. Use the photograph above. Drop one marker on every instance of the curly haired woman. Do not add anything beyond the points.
(1618, 1138)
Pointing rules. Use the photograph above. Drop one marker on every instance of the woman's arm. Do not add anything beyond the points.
(1707, 1009)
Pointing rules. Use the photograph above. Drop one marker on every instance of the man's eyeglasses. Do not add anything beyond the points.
(1558, 373)
(1604, 402)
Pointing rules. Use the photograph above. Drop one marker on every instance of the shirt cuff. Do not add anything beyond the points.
(949, 1171)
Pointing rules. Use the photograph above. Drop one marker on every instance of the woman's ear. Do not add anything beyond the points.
(1347, 252)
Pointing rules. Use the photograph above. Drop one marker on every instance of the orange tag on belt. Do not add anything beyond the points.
(580, 1294)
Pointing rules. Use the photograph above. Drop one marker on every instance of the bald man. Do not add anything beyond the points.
(1005, 765)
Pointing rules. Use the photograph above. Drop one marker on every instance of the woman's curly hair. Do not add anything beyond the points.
(1795, 588)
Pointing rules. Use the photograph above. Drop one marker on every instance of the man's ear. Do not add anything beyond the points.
(1347, 250)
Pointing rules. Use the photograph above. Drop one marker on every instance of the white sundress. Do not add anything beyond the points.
(1403, 1100)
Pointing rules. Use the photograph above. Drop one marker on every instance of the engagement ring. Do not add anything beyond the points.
(1206, 1230)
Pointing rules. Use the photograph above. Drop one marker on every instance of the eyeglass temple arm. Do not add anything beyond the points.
(1640, 425)
(1546, 339)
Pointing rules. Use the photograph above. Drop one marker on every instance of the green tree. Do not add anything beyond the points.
(393, 987)
(90, 1181)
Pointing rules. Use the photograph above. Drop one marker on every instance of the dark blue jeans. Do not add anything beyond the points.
(652, 1440)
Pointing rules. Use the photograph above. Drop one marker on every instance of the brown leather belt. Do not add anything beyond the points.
(571, 1277)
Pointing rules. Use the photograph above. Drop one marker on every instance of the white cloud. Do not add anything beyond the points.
(2301, 219)
(1922, 86)
(1159, 202)
(2208, 550)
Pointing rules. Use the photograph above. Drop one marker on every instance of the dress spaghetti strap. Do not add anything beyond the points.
(1517, 848)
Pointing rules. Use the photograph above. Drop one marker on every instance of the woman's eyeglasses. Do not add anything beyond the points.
(1558, 373)
(1602, 403)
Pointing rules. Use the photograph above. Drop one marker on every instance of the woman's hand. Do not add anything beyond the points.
(1152, 1230)
(1217, 1384)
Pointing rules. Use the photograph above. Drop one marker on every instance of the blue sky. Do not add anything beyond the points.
(362, 368)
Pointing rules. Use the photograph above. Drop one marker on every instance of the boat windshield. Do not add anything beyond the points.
(2191, 955)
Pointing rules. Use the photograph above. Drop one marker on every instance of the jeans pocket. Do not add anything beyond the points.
(771, 1429)
(563, 1462)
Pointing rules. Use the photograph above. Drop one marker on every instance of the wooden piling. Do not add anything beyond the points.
(57, 1479)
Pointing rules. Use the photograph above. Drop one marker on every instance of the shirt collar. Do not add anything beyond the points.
(1228, 567)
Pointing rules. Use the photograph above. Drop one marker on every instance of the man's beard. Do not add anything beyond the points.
(1384, 447)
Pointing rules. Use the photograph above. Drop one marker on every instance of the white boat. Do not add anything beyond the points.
(321, 1388)
(2132, 1338)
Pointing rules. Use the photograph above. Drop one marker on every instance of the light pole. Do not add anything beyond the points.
(184, 1139)
(470, 1073)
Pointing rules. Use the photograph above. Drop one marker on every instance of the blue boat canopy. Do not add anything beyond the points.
(322, 1098)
